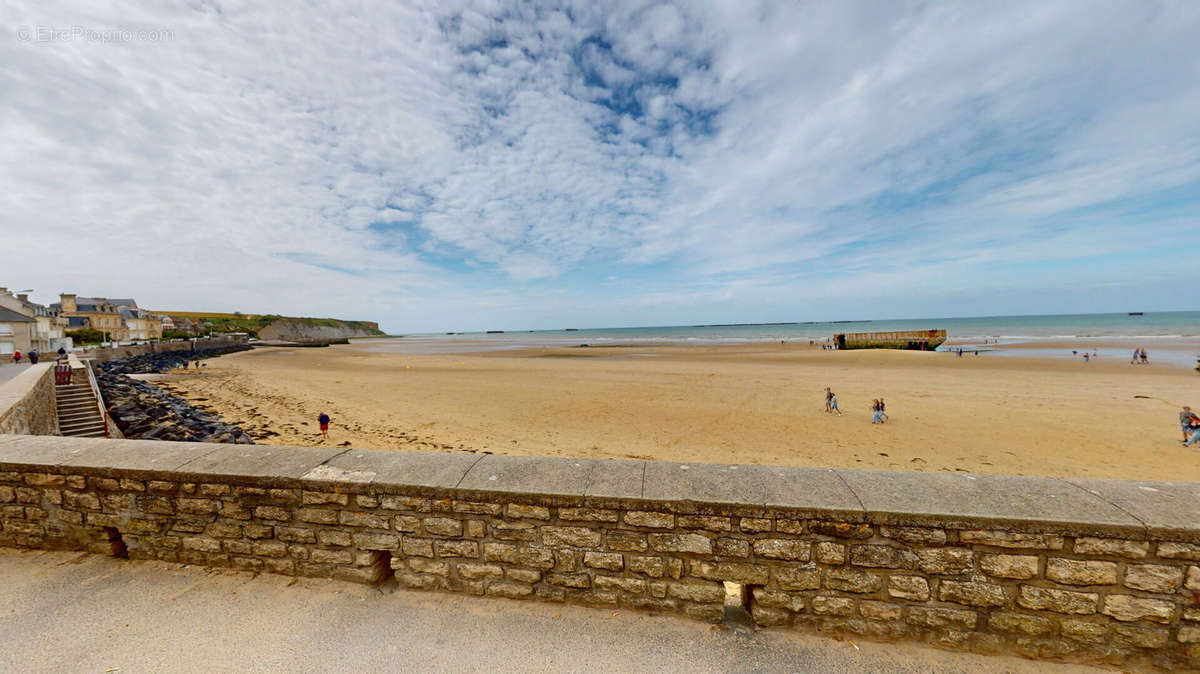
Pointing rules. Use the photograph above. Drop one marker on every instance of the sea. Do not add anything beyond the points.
(1177, 331)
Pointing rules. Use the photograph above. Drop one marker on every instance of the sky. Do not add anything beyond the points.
(448, 166)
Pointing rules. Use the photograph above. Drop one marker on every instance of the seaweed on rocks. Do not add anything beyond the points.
(143, 410)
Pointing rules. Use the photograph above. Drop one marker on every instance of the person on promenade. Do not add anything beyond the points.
(323, 420)
(33, 357)
(1187, 419)
(62, 352)
(16, 357)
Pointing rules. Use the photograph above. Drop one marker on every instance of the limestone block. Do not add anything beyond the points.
(409, 503)
(157, 505)
(797, 577)
(333, 538)
(1193, 578)
(613, 583)
(295, 534)
(1059, 601)
(789, 526)
(710, 613)
(654, 567)
(769, 616)
(161, 487)
(85, 501)
(416, 547)
(365, 501)
(1021, 567)
(477, 508)
(1153, 577)
(574, 580)
(840, 529)
(376, 541)
(7, 494)
(878, 556)
(478, 571)
(104, 483)
(269, 548)
(1023, 623)
(704, 522)
(579, 537)
(231, 510)
(941, 617)
(319, 556)
(777, 599)
(840, 606)
(523, 575)
(1010, 539)
(604, 560)
(699, 591)
(222, 529)
(733, 547)
(749, 574)
(442, 526)
(435, 567)
(368, 520)
(828, 552)
(537, 558)
(913, 588)
(201, 544)
(783, 548)
(914, 534)
(323, 498)
(456, 548)
(626, 541)
(1128, 608)
(417, 581)
(754, 524)
(946, 560)
(317, 516)
(1140, 637)
(1084, 630)
(1189, 635)
(880, 610)
(691, 543)
(1114, 547)
(588, 514)
(1081, 572)
(213, 490)
(528, 512)
(649, 519)
(408, 524)
(852, 580)
(973, 593)
(1189, 551)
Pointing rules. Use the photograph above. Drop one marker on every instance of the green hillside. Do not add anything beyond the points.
(252, 323)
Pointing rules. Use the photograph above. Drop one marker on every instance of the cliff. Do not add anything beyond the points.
(317, 328)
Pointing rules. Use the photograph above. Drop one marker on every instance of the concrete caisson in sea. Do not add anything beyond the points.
(913, 340)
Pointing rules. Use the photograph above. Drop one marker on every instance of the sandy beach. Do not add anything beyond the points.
(756, 403)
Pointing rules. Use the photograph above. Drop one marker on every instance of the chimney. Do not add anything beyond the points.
(68, 302)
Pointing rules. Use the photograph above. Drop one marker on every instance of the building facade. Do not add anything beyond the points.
(119, 318)
(46, 334)
(15, 329)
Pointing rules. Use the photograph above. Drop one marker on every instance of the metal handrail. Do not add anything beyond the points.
(99, 398)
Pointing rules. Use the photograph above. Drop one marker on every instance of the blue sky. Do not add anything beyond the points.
(459, 166)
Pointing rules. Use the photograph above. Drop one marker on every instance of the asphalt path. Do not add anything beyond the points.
(73, 612)
(8, 370)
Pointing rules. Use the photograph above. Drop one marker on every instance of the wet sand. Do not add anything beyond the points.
(756, 403)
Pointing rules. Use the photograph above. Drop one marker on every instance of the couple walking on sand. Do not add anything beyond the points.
(1189, 423)
(878, 413)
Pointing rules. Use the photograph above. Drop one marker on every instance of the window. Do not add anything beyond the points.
(6, 347)
(6, 329)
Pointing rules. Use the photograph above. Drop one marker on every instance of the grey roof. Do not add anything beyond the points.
(8, 316)
(76, 322)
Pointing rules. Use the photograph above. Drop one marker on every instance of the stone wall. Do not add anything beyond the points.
(27, 402)
(105, 354)
(1097, 571)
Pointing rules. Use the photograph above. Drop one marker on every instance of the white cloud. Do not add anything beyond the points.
(391, 161)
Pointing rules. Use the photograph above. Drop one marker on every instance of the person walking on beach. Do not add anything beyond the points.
(828, 399)
(876, 412)
(1144, 360)
(833, 403)
(883, 417)
(323, 420)
(1134, 360)
(1187, 419)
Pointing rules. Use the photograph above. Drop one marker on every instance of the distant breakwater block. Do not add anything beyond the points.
(144, 411)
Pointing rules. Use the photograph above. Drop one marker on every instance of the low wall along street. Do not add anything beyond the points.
(1103, 571)
(107, 353)
(27, 403)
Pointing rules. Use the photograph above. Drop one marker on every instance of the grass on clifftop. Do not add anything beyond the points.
(252, 323)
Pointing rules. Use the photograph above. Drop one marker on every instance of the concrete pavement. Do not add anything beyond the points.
(76, 612)
(8, 370)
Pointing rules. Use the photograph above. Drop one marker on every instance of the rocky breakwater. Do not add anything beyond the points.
(143, 410)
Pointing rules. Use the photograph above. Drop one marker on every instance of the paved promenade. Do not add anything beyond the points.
(8, 370)
(77, 612)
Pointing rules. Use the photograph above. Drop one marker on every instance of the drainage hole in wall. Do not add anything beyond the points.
(116, 545)
(737, 605)
(382, 573)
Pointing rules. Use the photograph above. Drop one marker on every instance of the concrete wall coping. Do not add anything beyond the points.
(1078, 507)
(14, 390)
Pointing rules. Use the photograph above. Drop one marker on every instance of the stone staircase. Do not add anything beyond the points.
(78, 413)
